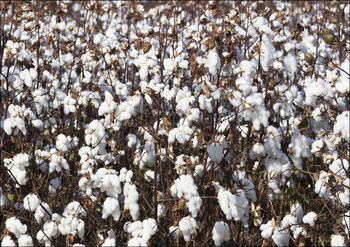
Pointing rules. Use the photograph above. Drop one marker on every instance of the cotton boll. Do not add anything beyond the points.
(43, 212)
(111, 207)
(37, 123)
(82, 245)
(149, 227)
(137, 242)
(215, 151)
(221, 233)
(337, 241)
(25, 240)
(234, 206)
(131, 199)
(109, 242)
(310, 218)
(111, 184)
(174, 231)
(194, 205)
(62, 143)
(342, 125)
(257, 150)
(346, 222)
(248, 187)
(339, 167)
(267, 229)
(188, 226)
(297, 211)
(280, 237)
(15, 226)
(3, 199)
(321, 187)
(8, 242)
(31, 202)
(213, 62)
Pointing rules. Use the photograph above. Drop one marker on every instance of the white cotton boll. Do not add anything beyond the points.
(346, 222)
(3, 199)
(188, 226)
(109, 242)
(111, 207)
(268, 52)
(111, 184)
(213, 62)
(9, 125)
(149, 227)
(43, 212)
(234, 206)
(37, 123)
(15, 226)
(174, 231)
(297, 210)
(221, 233)
(137, 242)
(248, 187)
(20, 124)
(321, 187)
(337, 241)
(134, 229)
(317, 146)
(8, 242)
(169, 64)
(339, 167)
(194, 205)
(25, 240)
(31, 202)
(290, 63)
(257, 150)
(62, 143)
(310, 218)
(267, 229)
(280, 237)
(342, 125)
(131, 199)
(149, 175)
(82, 245)
(215, 151)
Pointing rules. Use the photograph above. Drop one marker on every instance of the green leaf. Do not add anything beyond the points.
(12, 197)
(71, 156)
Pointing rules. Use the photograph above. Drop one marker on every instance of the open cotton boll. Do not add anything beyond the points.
(111, 184)
(137, 242)
(337, 241)
(213, 62)
(15, 226)
(184, 186)
(321, 187)
(3, 199)
(249, 187)
(339, 167)
(194, 204)
(50, 230)
(131, 199)
(109, 242)
(8, 242)
(111, 207)
(174, 231)
(62, 143)
(234, 206)
(25, 240)
(342, 125)
(297, 211)
(31, 202)
(188, 226)
(215, 151)
(221, 233)
(267, 229)
(43, 212)
(280, 237)
(82, 245)
(346, 223)
(257, 150)
(310, 218)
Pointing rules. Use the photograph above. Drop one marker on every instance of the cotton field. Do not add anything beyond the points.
(187, 123)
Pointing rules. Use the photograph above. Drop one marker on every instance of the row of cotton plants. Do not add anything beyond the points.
(179, 123)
